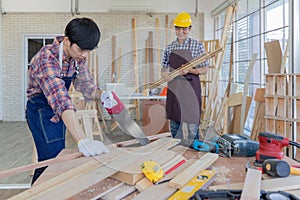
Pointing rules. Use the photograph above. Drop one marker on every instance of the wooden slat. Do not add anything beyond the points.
(252, 184)
(275, 184)
(131, 174)
(79, 178)
(184, 177)
(274, 56)
(245, 92)
(189, 65)
(213, 89)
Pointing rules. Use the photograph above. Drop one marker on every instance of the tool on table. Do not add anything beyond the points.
(207, 146)
(270, 146)
(236, 194)
(201, 181)
(152, 171)
(275, 168)
(116, 108)
(237, 145)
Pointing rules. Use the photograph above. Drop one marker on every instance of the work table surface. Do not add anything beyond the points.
(229, 170)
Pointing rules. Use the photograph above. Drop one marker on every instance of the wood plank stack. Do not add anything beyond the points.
(119, 171)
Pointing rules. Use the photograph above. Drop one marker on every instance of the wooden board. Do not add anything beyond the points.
(251, 188)
(274, 56)
(181, 179)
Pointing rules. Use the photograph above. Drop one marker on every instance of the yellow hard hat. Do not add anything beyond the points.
(183, 19)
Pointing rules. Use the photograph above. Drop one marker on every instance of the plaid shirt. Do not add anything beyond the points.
(44, 76)
(196, 48)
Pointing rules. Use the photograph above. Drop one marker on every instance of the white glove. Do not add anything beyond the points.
(91, 147)
(108, 100)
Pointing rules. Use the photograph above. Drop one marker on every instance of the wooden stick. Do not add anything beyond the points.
(44, 163)
(157, 32)
(188, 65)
(119, 64)
(113, 57)
(245, 92)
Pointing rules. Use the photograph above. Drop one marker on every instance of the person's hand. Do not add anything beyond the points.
(91, 147)
(184, 72)
(108, 100)
(166, 76)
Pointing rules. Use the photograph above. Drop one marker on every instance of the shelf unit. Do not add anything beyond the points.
(281, 94)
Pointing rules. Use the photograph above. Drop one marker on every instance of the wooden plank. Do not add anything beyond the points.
(275, 184)
(158, 48)
(184, 177)
(274, 56)
(188, 65)
(224, 38)
(119, 193)
(252, 184)
(119, 64)
(235, 123)
(270, 84)
(131, 174)
(134, 141)
(33, 166)
(113, 59)
(79, 178)
(161, 191)
(235, 99)
(150, 58)
(135, 66)
(259, 95)
(245, 92)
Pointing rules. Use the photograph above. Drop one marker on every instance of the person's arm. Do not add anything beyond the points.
(88, 147)
(68, 116)
(196, 71)
(165, 74)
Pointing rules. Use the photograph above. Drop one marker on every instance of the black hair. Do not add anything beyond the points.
(84, 32)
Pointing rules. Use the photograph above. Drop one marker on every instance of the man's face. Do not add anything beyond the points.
(75, 52)
(182, 32)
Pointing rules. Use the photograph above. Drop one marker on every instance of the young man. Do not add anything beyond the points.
(183, 104)
(49, 109)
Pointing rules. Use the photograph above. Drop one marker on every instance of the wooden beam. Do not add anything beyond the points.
(251, 188)
(245, 92)
(33, 166)
(113, 59)
(274, 56)
(185, 176)
(189, 65)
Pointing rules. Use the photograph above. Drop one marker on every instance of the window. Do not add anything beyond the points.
(256, 22)
(32, 44)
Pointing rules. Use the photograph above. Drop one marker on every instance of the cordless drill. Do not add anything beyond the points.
(270, 146)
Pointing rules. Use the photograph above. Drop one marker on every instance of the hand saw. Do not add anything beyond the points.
(116, 108)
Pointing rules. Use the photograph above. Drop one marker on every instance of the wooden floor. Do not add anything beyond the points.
(16, 147)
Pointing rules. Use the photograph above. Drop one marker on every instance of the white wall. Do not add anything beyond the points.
(105, 5)
(21, 18)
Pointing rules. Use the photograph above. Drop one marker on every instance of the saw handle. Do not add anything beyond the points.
(114, 108)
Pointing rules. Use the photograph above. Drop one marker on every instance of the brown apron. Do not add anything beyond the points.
(184, 92)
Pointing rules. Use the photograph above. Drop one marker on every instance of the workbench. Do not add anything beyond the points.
(229, 170)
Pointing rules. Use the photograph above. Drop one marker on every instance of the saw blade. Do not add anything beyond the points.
(130, 127)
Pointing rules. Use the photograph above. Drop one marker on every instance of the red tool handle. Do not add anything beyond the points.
(117, 109)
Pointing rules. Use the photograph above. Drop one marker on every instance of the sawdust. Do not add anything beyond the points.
(223, 174)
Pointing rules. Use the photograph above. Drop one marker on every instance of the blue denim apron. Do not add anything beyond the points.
(49, 137)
